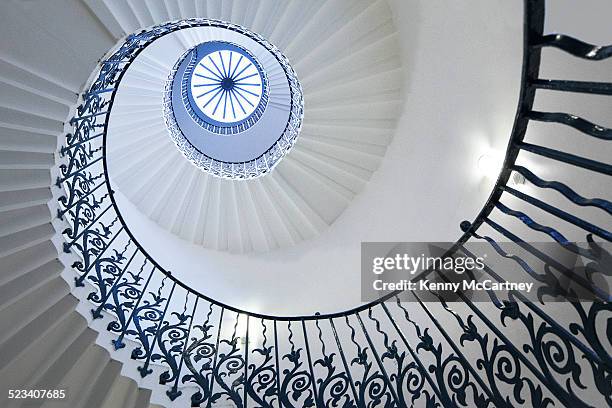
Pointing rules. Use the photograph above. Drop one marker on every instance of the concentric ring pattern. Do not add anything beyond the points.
(346, 128)
(201, 95)
(176, 348)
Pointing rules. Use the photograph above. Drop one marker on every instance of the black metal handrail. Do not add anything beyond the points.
(377, 354)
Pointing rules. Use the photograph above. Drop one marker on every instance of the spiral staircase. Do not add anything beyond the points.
(88, 307)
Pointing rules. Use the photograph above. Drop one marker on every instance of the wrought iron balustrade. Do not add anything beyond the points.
(383, 354)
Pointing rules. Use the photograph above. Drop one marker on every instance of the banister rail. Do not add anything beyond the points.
(378, 354)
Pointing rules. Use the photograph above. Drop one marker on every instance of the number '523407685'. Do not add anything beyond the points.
(37, 394)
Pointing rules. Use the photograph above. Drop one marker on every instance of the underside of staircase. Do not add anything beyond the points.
(48, 339)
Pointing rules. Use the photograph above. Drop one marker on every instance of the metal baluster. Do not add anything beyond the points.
(97, 92)
(543, 257)
(517, 294)
(61, 213)
(556, 389)
(63, 179)
(258, 381)
(570, 194)
(278, 382)
(496, 398)
(568, 158)
(344, 362)
(79, 280)
(246, 363)
(557, 236)
(66, 148)
(574, 46)
(597, 88)
(572, 219)
(415, 357)
(96, 313)
(576, 122)
(118, 343)
(296, 382)
(310, 366)
(380, 364)
(67, 245)
(93, 115)
(174, 393)
(214, 366)
(144, 370)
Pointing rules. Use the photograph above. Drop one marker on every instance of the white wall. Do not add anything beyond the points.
(463, 62)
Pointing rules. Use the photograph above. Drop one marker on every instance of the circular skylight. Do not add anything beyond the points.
(233, 104)
(226, 85)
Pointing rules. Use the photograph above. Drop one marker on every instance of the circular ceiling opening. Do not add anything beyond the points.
(227, 86)
(192, 183)
(233, 105)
